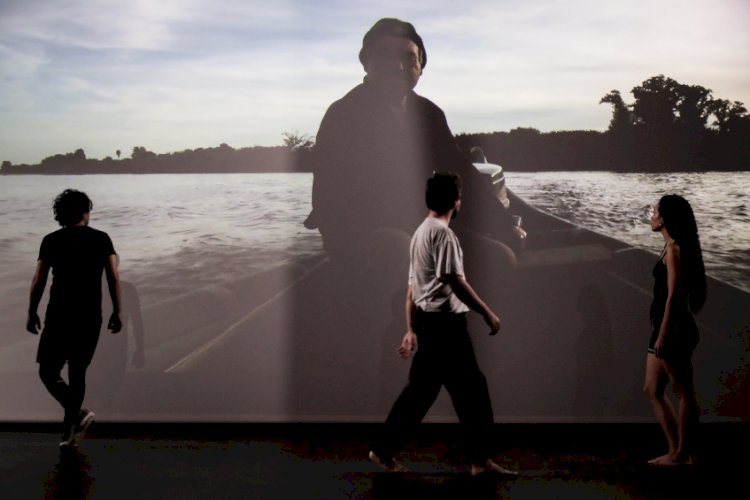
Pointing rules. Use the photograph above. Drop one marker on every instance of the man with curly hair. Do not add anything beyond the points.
(77, 255)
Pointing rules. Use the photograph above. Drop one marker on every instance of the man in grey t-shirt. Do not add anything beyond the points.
(437, 300)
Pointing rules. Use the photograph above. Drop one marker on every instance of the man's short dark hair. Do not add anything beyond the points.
(70, 207)
(443, 190)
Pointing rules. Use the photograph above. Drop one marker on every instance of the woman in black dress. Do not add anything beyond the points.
(679, 293)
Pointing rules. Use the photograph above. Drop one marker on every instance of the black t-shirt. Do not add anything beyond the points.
(77, 256)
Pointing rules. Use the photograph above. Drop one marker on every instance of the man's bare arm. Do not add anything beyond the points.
(468, 296)
(113, 284)
(409, 342)
(38, 283)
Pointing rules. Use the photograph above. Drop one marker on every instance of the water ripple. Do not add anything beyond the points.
(259, 216)
(619, 205)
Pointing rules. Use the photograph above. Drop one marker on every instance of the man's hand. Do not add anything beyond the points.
(408, 345)
(492, 321)
(519, 232)
(33, 324)
(115, 323)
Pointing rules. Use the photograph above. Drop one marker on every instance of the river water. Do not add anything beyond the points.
(215, 226)
(619, 205)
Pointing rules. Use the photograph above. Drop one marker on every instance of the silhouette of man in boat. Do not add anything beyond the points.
(375, 149)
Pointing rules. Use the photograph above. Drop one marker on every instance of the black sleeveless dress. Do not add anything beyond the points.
(682, 333)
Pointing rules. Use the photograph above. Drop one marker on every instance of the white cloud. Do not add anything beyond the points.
(194, 73)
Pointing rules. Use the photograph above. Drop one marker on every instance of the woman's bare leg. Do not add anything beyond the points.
(654, 387)
(688, 412)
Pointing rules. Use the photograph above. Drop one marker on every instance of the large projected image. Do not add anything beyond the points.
(283, 281)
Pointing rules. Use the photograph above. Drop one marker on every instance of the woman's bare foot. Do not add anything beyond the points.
(387, 465)
(670, 460)
(660, 459)
(490, 466)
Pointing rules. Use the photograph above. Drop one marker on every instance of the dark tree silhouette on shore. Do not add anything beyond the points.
(669, 126)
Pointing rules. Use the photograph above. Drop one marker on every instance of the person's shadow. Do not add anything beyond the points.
(70, 478)
(108, 368)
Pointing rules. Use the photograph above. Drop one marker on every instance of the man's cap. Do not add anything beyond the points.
(389, 26)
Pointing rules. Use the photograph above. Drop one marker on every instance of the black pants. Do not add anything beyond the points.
(445, 357)
(70, 395)
(74, 343)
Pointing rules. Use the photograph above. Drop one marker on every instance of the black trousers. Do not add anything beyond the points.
(444, 358)
(72, 342)
(70, 395)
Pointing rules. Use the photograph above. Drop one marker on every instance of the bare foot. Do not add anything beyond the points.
(669, 460)
(660, 459)
(387, 465)
(490, 466)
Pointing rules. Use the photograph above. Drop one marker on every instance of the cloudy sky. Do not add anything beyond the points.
(104, 75)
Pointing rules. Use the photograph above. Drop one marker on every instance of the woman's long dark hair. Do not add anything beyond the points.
(679, 222)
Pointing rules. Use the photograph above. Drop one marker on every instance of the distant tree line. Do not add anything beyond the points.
(221, 159)
(668, 127)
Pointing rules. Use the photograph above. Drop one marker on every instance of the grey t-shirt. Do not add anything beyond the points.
(435, 253)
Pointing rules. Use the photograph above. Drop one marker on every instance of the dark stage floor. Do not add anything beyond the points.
(328, 461)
